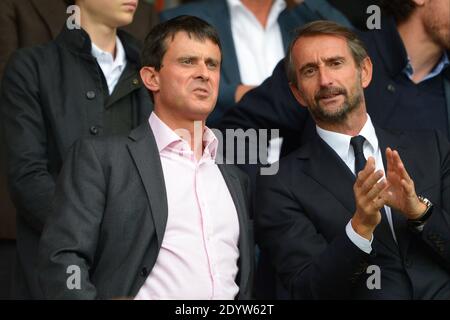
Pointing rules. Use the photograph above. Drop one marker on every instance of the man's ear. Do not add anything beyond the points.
(150, 78)
(297, 94)
(366, 72)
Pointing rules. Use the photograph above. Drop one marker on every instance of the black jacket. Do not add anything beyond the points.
(51, 96)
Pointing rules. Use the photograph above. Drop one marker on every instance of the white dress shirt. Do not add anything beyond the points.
(258, 49)
(112, 68)
(340, 143)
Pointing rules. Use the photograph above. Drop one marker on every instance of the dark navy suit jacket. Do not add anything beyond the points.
(301, 214)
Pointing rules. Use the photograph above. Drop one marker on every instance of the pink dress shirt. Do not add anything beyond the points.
(199, 253)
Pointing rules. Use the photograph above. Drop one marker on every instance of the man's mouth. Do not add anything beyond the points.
(329, 93)
(201, 91)
(329, 96)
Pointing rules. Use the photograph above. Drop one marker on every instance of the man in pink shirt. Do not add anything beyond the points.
(153, 216)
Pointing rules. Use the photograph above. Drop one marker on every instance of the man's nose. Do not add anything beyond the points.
(325, 78)
(202, 71)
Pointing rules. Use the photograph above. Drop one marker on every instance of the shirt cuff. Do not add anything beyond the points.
(361, 242)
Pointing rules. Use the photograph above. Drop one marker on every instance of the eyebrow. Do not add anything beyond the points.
(327, 60)
(215, 61)
(196, 58)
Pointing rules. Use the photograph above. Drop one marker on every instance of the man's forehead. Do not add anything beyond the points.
(183, 41)
(321, 46)
(181, 37)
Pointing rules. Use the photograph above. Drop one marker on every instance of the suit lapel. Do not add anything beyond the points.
(327, 169)
(287, 23)
(237, 194)
(220, 13)
(53, 13)
(145, 154)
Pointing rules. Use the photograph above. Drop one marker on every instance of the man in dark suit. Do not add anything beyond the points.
(410, 88)
(152, 216)
(333, 224)
(219, 14)
(83, 83)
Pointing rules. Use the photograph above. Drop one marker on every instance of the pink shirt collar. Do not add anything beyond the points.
(167, 139)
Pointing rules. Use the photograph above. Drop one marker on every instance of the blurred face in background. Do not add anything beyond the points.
(112, 13)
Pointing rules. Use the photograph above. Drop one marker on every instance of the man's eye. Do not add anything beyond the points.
(336, 63)
(308, 72)
(186, 61)
(212, 65)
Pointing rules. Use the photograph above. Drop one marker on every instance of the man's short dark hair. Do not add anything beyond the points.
(155, 45)
(328, 28)
(399, 9)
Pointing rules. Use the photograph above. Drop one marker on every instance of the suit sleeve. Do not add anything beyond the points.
(436, 232)
(31, 184)
(70, 237)
(307, 264)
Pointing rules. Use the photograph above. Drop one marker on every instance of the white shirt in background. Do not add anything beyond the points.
(112, 68)
(258, 49)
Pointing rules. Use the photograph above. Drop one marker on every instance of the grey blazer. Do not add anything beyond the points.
(109, 219)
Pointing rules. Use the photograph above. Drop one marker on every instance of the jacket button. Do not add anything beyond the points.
(90, 95)
(94, 130)
(144, 272)
(391, 88)
(135, 82)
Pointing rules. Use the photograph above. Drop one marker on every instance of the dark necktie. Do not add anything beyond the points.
(360, 161)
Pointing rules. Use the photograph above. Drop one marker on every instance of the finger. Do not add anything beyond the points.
(401, 167)
(376, 190)
(389, 159)
(371, 181)
(366, 172)
(378, 203)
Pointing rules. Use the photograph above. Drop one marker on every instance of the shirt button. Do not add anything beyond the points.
(94, 130)
(90, 95)
(391, 88)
